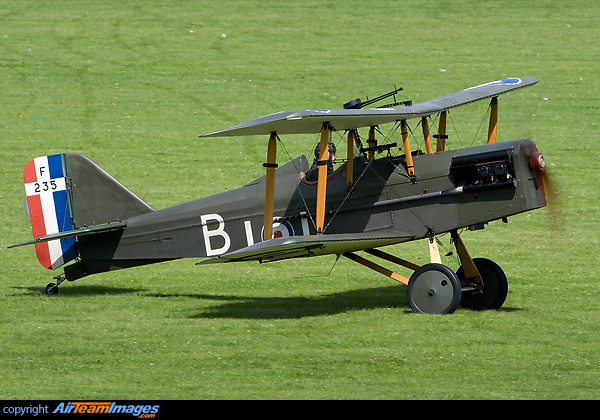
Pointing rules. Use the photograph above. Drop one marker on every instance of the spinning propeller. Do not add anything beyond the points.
(537, 163)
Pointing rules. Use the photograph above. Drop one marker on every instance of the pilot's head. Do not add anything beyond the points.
(332, 150)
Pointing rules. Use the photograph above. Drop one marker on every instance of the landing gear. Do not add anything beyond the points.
(494, 290)
(434, 289)
(52, 288)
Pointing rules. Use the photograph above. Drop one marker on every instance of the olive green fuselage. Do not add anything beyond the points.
(450, 190)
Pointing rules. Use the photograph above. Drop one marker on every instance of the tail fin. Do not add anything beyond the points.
(96, 197)
(68, 191)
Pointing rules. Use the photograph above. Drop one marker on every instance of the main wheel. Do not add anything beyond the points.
(495, 286)
(433, 289)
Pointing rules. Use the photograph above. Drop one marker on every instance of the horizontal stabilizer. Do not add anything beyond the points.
(312, 245)
(74, 233)
(311, 121)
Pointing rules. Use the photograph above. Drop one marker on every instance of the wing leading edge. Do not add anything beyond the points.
(311, 121)
(312, 245)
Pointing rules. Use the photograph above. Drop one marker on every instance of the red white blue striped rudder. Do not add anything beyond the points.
(49, 209)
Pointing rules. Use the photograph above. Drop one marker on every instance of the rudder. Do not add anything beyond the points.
(48, 209)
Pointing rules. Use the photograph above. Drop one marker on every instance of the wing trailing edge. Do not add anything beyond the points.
(311, 121)
(312, 245)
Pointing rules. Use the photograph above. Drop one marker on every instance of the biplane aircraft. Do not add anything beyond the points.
(382, 194)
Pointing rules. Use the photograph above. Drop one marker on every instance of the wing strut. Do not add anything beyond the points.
(493, 128)
(271, 166)
(372, 142)
(441, 136)
(426, 135)
(322, 175)
(350, 159)
(406, 144)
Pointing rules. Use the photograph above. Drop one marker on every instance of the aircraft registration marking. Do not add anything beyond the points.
(217, 241)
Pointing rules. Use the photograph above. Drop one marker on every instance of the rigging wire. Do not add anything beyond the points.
(348, 194)
(485, 118)
(303, 199)
(337, 258)
(455, 130)
(368, 167)
(436, 128)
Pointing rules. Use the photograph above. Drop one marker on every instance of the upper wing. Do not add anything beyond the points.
(310, 246)
(311, 121)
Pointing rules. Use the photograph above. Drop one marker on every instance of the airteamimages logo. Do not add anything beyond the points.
(94, 409)
(141, 411)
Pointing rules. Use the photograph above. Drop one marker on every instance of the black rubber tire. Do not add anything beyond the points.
(495, 287)
(51, 289)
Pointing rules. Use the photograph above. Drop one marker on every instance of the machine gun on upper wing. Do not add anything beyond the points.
(358, 104)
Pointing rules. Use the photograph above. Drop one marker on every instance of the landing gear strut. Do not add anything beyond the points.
(435, 289)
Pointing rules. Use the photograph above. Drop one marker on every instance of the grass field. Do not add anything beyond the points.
(132, 85)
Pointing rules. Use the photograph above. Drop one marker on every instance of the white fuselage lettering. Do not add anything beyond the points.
(219, 231)
(213, 228)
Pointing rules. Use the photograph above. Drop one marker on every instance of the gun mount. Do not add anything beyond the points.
(358, 104)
